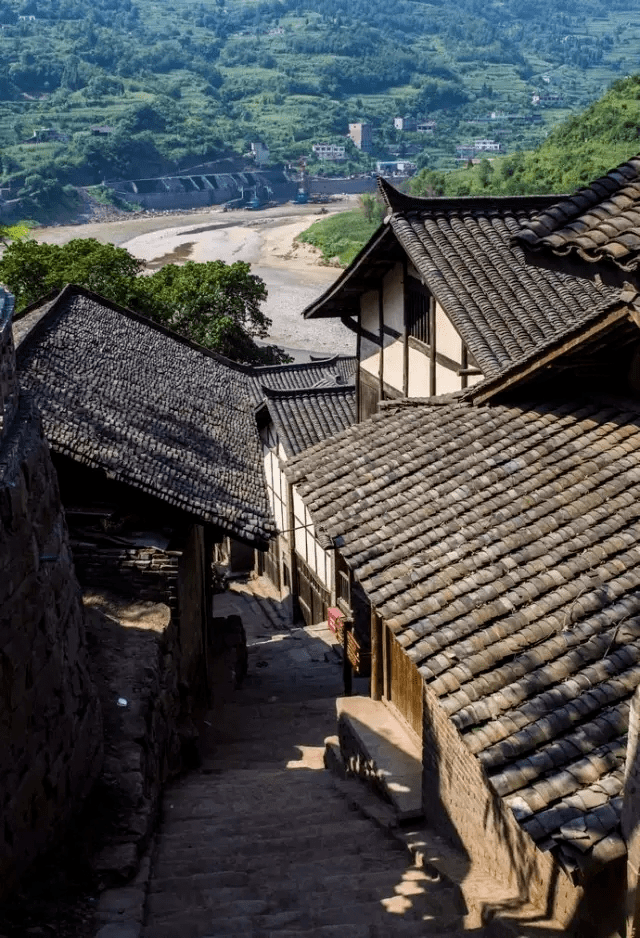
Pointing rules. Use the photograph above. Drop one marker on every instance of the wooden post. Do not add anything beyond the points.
(376, 656)
(432, 346)
(358, 356)
(381, 331)
(405, 319)
(347, 672)
(464, 370)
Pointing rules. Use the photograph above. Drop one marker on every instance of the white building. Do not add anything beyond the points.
(329, 151)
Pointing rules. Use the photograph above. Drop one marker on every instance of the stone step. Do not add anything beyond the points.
(307, 879)
(358, 835)
(229, 824)
(180, 860)
(229, 780)
(344, 919)
(216, 804)
(168, 871)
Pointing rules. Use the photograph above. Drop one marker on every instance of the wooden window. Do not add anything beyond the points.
(418, 305)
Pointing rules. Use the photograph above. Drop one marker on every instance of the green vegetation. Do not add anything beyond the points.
(214, 304)
(341, 236)
(134, 88)
(575, 153)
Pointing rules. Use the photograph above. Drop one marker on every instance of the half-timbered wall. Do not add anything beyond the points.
(276, 483)
(319, 561)
(408, 345)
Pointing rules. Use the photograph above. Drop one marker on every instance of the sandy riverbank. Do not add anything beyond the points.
(292, 271)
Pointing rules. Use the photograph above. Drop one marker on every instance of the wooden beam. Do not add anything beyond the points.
(381, 330)
(551, 356)
(358, 357)
(464, 367)
(376, 656)
(405, 322)
(432, 346)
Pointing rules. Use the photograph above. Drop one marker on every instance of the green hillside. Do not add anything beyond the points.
(177, 84)
(575, 153)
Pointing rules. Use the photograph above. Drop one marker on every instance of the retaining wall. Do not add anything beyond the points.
(50, 720)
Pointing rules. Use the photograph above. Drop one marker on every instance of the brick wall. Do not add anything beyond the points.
(460, 803)
(50, 722)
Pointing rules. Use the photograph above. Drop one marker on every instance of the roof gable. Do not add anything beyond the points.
(308, 416)
(150, 409)
(504, 308)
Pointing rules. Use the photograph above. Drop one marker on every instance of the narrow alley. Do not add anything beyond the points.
(260, 842)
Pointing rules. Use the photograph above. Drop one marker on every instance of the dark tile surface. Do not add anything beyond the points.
(501, 545)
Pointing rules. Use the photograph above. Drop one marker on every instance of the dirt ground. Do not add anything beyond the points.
(293, 272)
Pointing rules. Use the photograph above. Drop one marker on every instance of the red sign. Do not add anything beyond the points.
(334, 617)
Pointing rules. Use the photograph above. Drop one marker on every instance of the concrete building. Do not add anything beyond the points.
(362, 136)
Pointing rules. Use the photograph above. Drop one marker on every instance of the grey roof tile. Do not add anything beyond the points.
(502, 547)
(599, 223)
(305, 417)
(150, 409)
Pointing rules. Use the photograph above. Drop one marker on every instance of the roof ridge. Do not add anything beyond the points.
(74, 289)
(400, 203)
(283, 393)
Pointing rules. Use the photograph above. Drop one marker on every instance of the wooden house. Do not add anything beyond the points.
(297, 406)
(441, 297)
(157, 453)
(493, 532)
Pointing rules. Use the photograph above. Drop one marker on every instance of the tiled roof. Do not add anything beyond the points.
(503, 307)
(152, 410)
(325, 372)
(600, 222)
(308, 416)
(502, 547)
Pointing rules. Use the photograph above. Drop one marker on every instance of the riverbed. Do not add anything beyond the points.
(293, 272)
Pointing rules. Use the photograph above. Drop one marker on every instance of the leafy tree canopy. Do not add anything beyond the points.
(214, 304)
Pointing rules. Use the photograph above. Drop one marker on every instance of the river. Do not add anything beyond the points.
(291, 271)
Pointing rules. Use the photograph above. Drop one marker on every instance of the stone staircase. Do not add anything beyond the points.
(261, 841)
(259, 845)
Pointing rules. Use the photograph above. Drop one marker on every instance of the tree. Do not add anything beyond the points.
(214, 304)
(30, 269)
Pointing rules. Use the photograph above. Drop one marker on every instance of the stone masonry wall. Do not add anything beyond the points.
(8, 377)
(50, 722)
(459, 802)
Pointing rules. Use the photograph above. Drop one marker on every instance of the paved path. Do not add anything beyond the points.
(259, 843)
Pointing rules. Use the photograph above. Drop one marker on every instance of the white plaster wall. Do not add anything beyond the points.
(447, 381)
(369, 315)
(419, 369)
(448, 342)
(306, 544)
(370, 320)
(394, 365)
(371, 364)
(393, 299)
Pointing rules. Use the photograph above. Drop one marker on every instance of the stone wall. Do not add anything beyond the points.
(461, 805)
(8, 378)
(50, 721)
